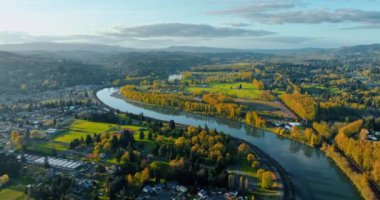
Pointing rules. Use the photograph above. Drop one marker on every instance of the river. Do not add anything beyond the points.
(313, 174)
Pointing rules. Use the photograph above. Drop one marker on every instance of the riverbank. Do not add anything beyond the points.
(360, 180)
(270, 129)
(288, 187)
(313, 174)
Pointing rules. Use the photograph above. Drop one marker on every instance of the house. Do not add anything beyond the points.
(148, 189)
(171, 185)
(86, 183)
(230, 195)
(202, 194)
(111, 170)
(297, 124)
(181, 188)
(51, 131)
(371, 137)
(159, 187)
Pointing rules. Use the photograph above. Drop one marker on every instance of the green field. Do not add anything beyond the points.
(248, 91)
(80, 128)
(15, 189)
(11, 194)
(77, 130)
(316, 89)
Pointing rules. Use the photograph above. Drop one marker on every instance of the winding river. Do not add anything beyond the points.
(314, 175)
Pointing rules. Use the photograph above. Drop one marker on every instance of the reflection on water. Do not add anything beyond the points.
(314, 176)
(253, 132)
(294, 147)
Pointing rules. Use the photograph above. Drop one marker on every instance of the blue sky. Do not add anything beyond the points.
(248, 24)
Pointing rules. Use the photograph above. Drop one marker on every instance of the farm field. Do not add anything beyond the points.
(77, 130)
(248, 91)
(80, 128)
(11, 194)
(317, 89)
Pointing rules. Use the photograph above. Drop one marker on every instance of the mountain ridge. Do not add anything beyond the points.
(46, 46)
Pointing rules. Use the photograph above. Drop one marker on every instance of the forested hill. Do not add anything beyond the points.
(42, 70)
(165, 63)
(27, 71)
(22, 73)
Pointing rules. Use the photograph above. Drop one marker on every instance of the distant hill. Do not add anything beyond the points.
(82, 48)
(26, 73)
(360, 49)
(191, 49)
(39, 66)
(63, 47)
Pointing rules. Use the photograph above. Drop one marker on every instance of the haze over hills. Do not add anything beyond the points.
(52, 62)
(46, 46)
(28, 47)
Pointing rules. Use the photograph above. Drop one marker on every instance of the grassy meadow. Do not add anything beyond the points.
(15, 189)
(80, 128)
(248, 91)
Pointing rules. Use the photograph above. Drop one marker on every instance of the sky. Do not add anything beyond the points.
(241, 24)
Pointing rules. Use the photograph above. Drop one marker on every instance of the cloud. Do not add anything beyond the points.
(286, 13)
(156, 35)
(258, 7)
(290, 39)
(183, 30)
(372, 26)
(237, 24)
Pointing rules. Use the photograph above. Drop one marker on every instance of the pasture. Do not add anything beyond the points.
(247, 91)
(80, 128)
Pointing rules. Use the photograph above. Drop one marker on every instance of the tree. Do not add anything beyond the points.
(231, 181)
(376, 171)
(266, 180)
(46, 162)
(4, 179)
(258, 84)
(251, 157)
(129, 179)
(16, 139)
(253, 119)
(141, 135)
(255, 165)
(171, 124)
(150, 135)
(246, 185)
(114, 142)
(363, 134)
(241, 182)
(89, 140)
(302, 104)
(94, 194)
(351, 128)
(54, 152)
(155, 85)
(145, 174)
(243, 149)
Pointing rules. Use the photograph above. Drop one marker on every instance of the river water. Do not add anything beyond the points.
(314, 175)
